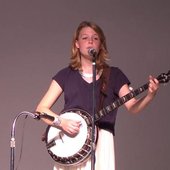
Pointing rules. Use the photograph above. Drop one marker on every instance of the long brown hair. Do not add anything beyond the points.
(75, 62)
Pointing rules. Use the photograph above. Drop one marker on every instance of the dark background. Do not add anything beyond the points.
(35, 41)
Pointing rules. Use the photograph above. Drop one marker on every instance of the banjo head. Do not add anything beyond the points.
(70, 150)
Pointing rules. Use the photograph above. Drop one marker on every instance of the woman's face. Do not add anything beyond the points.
(88, 38)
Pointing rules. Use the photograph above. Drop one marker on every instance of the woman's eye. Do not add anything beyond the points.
(84, 38)
(96, 38)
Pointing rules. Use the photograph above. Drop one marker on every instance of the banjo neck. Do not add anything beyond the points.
(162, 78)
(120, 101)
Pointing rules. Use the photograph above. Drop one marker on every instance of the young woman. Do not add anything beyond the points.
(75, 81)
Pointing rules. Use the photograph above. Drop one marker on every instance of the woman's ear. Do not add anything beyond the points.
(77, 44)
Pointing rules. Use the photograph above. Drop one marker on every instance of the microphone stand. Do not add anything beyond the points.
(12, 141)
(93, 114)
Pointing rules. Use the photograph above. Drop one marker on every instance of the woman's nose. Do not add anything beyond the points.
(90, 39)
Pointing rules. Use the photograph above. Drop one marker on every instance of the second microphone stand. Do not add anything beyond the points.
(35, 115)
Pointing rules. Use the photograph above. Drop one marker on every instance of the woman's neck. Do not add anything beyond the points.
(86, 66)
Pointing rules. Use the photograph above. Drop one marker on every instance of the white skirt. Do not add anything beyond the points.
(104, 155)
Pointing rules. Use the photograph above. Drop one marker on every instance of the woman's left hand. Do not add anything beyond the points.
(153, 86)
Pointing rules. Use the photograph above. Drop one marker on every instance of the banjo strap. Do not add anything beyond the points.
(104, 85)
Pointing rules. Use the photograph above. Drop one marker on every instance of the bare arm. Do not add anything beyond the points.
(51, 96)
(137, 105)
(49, 99)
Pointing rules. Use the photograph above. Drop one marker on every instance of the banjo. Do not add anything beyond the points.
(70, 151)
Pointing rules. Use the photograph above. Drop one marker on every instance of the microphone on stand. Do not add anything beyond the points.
(92, 52)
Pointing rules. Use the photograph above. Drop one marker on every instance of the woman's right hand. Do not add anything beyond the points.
(70, 126)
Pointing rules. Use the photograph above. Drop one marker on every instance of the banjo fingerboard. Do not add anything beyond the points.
(120, 101)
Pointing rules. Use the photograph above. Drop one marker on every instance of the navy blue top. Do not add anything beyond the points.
(78, 93)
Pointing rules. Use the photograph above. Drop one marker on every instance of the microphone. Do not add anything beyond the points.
(40, 115)
(92, 52)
